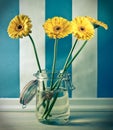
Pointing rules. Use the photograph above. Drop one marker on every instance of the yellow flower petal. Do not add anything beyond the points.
(19, 26)
(57, 27)
(82, 28)
(96, 22)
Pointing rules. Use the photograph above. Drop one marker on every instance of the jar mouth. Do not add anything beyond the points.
(48, 75)
(42, 75)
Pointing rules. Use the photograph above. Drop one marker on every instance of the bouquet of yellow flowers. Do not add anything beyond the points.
(82, 28)
(56, 28)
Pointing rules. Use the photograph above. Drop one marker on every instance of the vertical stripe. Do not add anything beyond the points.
(9, 52)
(61, 8)
(35, 9)
(105, 50)
(84, 68)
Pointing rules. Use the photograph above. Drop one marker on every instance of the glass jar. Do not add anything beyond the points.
(52, 100)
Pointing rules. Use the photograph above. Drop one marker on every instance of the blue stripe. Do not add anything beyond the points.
(61, 8)
(105, 50)
(9, 51)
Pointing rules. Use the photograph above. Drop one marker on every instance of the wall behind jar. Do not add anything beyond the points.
(91, 71)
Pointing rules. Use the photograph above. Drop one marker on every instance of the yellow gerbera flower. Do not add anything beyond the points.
(19, 26)
(82, 28)
(96, 22)
(57, 27)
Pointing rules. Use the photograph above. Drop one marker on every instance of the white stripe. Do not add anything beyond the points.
(35, 9)
(84, 68)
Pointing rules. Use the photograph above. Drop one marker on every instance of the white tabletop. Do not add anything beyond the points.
(79, 120)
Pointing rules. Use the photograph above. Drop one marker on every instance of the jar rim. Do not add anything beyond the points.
(45, 74)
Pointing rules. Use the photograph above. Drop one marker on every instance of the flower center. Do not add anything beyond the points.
(57, 28)
(19, 27)
(82, 28)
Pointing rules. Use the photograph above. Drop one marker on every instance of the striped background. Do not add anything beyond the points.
(92, 72)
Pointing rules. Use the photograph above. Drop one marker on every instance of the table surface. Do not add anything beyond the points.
(78, 121)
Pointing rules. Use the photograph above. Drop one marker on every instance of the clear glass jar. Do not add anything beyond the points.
(52, 100)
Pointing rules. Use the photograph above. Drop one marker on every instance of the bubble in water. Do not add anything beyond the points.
(23, 106)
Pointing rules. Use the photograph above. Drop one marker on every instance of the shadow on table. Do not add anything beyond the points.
(90, 121)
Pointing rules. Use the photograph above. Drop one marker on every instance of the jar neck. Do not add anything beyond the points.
(49, 75)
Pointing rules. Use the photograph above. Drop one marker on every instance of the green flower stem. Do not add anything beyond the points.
(70, 62)
(37, 59)
(70, 53)
(53, 71)
(46, 109)
(67, 60)
(54, 86)
(38, 63)
(54, 99)
(54, 61)
(51, 106)
(67, 64)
